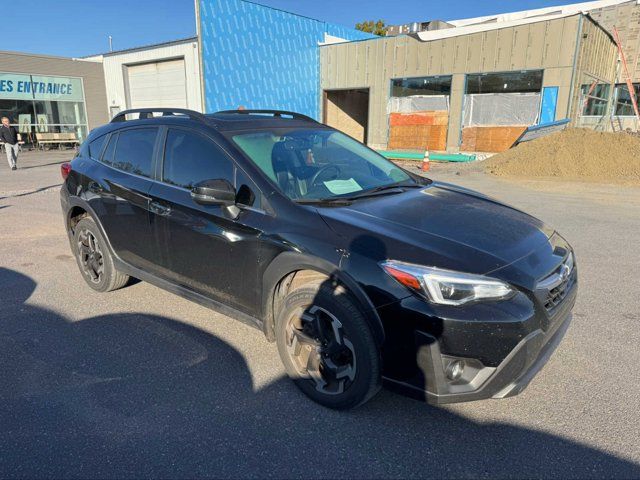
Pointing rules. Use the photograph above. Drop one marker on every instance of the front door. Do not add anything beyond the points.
(202, 246)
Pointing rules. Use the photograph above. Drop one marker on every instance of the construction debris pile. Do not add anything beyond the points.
(574, 153)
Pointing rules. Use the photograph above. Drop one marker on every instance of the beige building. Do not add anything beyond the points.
(47, 94)
(620, 15)
(481, 78)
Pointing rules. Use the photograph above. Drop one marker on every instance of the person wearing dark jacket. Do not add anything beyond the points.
(9, 136)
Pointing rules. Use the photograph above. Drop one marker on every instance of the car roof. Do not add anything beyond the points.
(228, 120)
(224, 121)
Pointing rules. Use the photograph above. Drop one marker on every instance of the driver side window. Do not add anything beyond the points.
(190, 158)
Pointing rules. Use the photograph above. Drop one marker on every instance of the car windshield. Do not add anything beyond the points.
(318, 164)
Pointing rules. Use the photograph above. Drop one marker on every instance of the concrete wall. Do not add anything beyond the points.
(91, 73)
(549, 45)
(115, 70)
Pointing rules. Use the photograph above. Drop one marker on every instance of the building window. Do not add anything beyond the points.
(502, 99)
(406, 87)
(420, 94)
(624, 106)
(595, 100)
(43, 104)
(508, 82)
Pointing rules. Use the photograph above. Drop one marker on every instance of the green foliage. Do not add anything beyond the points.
(377, 28)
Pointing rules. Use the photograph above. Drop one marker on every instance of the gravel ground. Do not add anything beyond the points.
(141, 383)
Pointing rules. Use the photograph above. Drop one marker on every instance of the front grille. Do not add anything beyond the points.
(557, 294)
(553, 289)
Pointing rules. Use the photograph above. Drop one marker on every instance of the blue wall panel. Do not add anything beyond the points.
(261, 57)
(548, 105)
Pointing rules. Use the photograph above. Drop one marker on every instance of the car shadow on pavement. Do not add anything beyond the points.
(40, 165)
(135, 395)
(31, 192)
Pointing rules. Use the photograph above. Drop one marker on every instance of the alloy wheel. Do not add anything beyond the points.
(91, 258)
(320, 350)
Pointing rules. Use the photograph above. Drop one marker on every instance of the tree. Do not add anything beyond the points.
(377, 28)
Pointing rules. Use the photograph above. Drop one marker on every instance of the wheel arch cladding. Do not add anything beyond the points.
(74, 215)
(77, 206)
(292, 268)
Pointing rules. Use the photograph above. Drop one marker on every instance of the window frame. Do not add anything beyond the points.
(585, 97)
(420, 77)
(154, 154)
(505, 72)
(161, 159)
(616, 93)
(106, 138)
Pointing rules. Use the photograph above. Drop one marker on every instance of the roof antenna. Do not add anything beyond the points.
(110, 43)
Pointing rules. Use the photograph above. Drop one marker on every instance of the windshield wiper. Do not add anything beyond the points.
(384, 190)
(334, 202)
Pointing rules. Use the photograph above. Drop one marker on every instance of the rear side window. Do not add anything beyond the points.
(95, 147)
(191, 158)
(134, 151)
(110, 151)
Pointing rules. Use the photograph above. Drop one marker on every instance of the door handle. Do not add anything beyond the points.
(159, 209)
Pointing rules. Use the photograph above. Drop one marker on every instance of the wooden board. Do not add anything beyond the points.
(490, 138)
(421, 137)
(427, 117)
(419, 130)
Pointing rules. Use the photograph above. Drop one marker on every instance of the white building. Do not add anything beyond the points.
(160, 75)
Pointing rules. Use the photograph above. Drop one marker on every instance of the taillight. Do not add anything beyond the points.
(65, 170)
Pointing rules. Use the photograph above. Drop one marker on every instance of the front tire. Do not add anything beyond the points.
(326, 346)
(94, 259)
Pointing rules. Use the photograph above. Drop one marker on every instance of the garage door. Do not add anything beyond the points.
(158, 84)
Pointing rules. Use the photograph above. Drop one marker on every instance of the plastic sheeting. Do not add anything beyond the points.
(418, 103)
(501, 109)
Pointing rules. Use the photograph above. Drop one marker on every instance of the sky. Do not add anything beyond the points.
(75, 28)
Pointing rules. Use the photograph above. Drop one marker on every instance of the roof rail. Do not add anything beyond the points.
(148, 112)
(275, 113)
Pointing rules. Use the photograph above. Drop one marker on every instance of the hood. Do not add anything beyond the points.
(441, 225)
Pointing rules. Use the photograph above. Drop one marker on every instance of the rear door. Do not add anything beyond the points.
(118, 193)
(202, 246)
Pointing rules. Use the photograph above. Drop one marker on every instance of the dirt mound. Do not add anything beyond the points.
(574, 154)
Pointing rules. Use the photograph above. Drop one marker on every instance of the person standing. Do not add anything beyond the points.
(9, 136)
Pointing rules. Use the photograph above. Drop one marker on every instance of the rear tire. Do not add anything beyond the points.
(327, 347)
(94, 259)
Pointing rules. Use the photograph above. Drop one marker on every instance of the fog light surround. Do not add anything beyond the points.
(455, 370)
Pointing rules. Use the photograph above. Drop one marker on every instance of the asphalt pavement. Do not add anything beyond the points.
(142, 383)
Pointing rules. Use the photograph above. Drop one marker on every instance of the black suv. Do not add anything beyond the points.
(359, 270)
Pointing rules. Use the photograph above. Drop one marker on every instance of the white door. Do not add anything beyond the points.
(158, 84)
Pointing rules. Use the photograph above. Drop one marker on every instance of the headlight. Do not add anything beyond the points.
(446, 287)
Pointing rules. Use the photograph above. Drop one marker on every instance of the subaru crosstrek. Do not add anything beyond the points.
(361, 272)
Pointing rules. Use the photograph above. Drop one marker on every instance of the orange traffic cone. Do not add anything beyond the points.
(425, 161)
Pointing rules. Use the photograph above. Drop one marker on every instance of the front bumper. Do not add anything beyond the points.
(530, 340)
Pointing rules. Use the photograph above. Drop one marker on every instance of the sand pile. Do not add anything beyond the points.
(574, 154)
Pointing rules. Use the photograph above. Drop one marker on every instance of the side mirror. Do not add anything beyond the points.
(214, 192)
